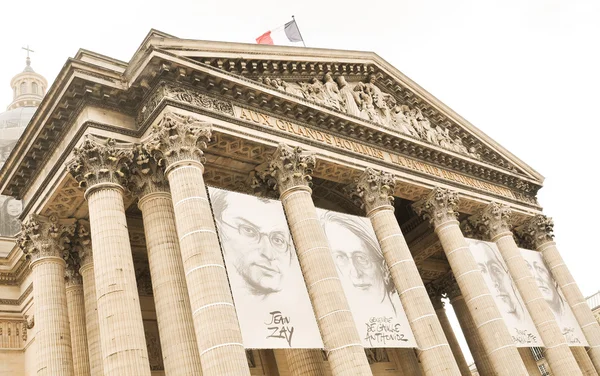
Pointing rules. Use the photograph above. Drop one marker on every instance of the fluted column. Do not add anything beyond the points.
(83, 243)
(44, 240)
(307, 362)
(76, 309)
(585, 363)
(440, 208)
(173, 310)
(529, 361)
(100, 165)
(494, 223)
(440, 311)
(177, 142)
(374, 191)
(539, 232)
(407, 361)
(290, 169)
(469, 330)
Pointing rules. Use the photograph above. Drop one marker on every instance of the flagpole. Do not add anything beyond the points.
(294, 18)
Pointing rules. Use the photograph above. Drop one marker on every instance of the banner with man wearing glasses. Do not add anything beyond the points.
(268, 288)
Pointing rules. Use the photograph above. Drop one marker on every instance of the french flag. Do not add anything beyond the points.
(286, 35)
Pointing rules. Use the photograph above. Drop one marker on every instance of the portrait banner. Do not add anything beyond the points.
(553, 295)
(270, 296)
(366, 280)
(505, 294)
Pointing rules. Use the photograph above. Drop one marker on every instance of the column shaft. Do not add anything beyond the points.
(119, 313)
(345, 351)
(529, 361)
(79, 343)
(434, 351)
(215, 321)
(407, 361)
(91, 319)
(557, 351)
(495, 337)
(173, 311)
(53, 338)
(456, 351)
(307, 362)
(576, 300)
(467, 325)
(584, 361)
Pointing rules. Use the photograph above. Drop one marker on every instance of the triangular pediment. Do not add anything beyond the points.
(355, 83)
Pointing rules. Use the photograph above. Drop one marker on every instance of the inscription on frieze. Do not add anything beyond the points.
(356, 147)
(365, 100)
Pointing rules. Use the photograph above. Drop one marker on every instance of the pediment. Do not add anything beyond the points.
(358, 84)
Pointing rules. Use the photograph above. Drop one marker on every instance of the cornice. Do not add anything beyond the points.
(20, 300)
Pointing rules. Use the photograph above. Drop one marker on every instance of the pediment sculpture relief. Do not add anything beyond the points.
(368, 102)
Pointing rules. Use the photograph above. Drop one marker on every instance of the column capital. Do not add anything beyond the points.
(177, 138)
(536, 231)
(147, 174)
(439, 206)
(373, 189)
(290, 167)
(101, 160)
(83, 243)
(493, 220)
(72, 276)
(45, 237)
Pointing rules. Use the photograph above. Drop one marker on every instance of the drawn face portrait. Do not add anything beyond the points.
(493, 269)
(14, 207)
(255, 240)
(358, 264)
(546, 285)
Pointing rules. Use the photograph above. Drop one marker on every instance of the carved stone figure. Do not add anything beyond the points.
(350, 98)
(332, 93)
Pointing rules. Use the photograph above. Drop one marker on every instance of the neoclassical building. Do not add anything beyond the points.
(118, 268)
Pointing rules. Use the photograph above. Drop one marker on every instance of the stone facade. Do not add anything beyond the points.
(118, 269)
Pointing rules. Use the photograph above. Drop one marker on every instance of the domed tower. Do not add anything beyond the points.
(28, 90)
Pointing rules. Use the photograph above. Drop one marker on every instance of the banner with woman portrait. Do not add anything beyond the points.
(553, 295)
(505, 294)
(270, 296)
(378, 313)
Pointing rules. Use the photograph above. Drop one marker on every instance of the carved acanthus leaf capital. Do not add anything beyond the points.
(537, 231)
(147, 174)
(493, 220)
(449, 287)
(101, 160)
(439, 206)
(72, 276)
(46, 237)
(177, 138)
(373, 189)
(83, 243)
(290, 167)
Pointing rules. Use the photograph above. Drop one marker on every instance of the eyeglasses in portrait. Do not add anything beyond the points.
(269, 292)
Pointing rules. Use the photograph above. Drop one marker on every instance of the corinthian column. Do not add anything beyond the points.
(290, 169)
(83, 242)
(177, 142)
(440, 208)
(173, 311)
(100, 165)
(539, 232)
(44, 241)
(76, 308)
(469, 330)
(374, 191)
(494, 223)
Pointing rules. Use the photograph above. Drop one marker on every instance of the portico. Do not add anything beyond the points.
(124, 152)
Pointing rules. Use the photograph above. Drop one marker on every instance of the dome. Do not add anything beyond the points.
(16, 118)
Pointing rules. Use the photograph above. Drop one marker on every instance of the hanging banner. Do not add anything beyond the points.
(505, 294)
(10, 208)
(368, 286)
(553, 295)
(270, 296)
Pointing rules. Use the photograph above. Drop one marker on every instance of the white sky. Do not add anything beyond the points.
(524, 72)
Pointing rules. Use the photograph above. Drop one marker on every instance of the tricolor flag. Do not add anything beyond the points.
(286, 35)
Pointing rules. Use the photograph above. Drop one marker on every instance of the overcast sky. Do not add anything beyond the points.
(524, 72)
